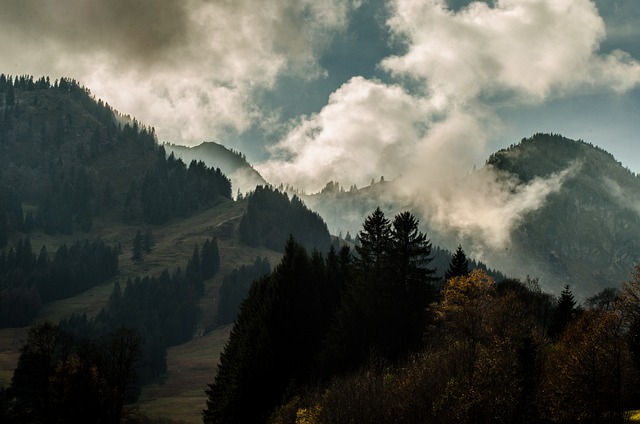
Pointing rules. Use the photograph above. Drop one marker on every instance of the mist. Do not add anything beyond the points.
(425, 113)
(428, 127)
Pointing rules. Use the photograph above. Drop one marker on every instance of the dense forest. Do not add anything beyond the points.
(367, 337)
(236, 286)
(62, 378)
(91, 162)
(104, 361)
(380, 328)
(28, 280)
(272, 217)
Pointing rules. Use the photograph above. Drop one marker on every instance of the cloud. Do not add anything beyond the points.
(462, 67)
(366, 130)
(190, 68)
(487, 205)
(523, 49)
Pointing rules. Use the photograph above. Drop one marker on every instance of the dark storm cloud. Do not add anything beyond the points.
(189, 68)
(129, 30)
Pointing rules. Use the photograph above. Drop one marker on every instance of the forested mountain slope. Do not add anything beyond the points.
(588, 233)
(232, 163)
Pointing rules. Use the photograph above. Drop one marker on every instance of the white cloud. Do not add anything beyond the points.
(532, 49)
(368, 129)
(187, 68)
(468, 63)
(487, 205)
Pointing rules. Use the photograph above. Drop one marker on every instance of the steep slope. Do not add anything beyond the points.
(244, 177)
(587, 234)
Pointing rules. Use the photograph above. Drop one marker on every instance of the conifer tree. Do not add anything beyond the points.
(383, 310)
(564, 313)
(274, 341)
(138, 247)
(459, 266)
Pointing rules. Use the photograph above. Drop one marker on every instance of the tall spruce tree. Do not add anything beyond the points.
(383, 311)
(275, 338)
(564, 313)
(459, 266)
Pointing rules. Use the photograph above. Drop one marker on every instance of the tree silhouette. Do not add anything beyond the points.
(564, 313)
(137, 251)
(459, 266)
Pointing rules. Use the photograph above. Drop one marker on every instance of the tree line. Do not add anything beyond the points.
(89, 369)
(68, 185)
(28, 280)
(271, 217)
(163, 309)
(235, 287)
(64, 378)
(368, 337)
(172, 189)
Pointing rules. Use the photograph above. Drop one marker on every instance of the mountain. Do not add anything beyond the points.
(244, 177)
(95, 216)
(585, 234)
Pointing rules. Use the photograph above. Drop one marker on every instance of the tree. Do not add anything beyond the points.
(630, 304)
(374, 241)
(411, 290)
(590, 375)
(564, 313)
(383, 311)
(31, 383)
(122, 352)
(483, 354)
(459, 266)
(274, 341)
(138, 247)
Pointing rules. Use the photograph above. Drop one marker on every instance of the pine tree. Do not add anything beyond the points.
(383, 310)
(459, 266)
(374, 241)
(138, 247)
(564, 313)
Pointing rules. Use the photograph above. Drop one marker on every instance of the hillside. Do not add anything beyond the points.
(587, 234)
(76, 173)
(244, 177)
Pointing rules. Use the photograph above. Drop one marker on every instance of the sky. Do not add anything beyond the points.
(347, 90)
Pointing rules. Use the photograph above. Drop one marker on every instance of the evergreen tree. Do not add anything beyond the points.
(273, 343)
(383, 310)
(210, 258)
(459, 266)
(374, 241)
(564, 312)
(138, 247)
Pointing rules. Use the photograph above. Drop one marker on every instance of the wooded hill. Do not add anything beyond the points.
(586, 235)
(99, 229)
